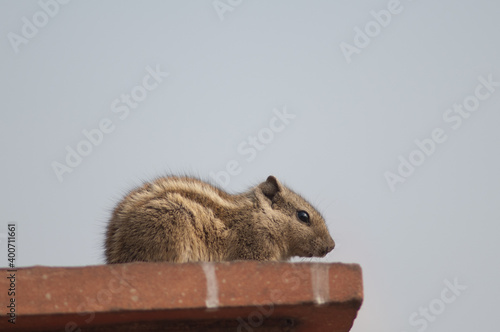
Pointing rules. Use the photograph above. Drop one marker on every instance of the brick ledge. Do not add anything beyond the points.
(227, 296)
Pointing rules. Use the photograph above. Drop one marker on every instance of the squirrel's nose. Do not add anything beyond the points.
(329, 247)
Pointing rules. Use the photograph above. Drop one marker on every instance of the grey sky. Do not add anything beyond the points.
(353, 116)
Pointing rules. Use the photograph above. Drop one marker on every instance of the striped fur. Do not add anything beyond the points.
(183, 219)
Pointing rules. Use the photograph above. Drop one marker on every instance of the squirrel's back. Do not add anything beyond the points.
(174, 219)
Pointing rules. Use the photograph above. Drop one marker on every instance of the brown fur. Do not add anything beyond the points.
(183, 219)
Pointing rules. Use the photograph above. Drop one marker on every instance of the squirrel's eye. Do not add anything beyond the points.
(303, 216)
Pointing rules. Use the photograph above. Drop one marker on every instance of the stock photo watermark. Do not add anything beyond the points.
(11, 246)
(118, 284)
(223, 7)
(31, 27)
(429, 313)
(454, 118)
(252, 145)
(122, 107)
(364, 35)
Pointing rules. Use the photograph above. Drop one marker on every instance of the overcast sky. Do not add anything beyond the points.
(384, 114)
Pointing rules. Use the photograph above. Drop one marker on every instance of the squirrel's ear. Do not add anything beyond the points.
(271, 187)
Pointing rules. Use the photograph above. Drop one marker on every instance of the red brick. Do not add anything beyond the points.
(157, 296)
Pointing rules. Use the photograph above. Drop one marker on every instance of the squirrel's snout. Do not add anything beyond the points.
(329, 247)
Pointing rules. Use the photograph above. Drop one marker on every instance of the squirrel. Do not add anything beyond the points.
(183, 219)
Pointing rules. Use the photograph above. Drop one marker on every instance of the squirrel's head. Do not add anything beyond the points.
(303, 228)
